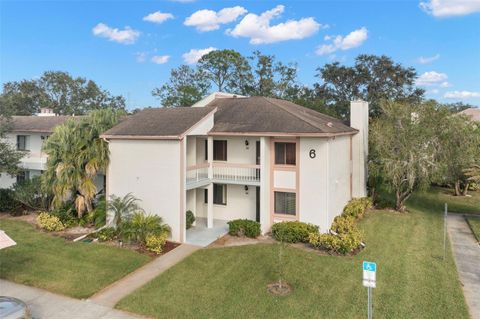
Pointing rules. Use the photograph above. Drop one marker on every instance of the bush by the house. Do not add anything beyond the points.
(29, 193)
(140, 225)
(244, 227)
(67, 215)
(7, 201)
(347, 238)
(107, 234)
(293, 231)
(190, 218)
(98, 216)
(155, 242)
(49, 222)
(357, 207)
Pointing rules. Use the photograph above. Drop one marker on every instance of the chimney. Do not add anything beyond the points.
(359, 120)
(46, 112)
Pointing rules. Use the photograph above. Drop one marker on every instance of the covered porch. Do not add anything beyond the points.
(201, 235)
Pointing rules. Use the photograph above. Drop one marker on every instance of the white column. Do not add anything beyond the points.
(359, 121)
(210, 156)
(264, 184)
(210, 206)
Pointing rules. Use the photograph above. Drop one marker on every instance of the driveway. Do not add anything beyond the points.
(46, 305)
(467, 257)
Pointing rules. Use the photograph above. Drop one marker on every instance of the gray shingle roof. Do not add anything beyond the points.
(158, 122)
(252, 115)
(474, 113)
(268, 115)
(37, 124)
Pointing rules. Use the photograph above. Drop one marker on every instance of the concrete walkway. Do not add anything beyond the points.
(112, 294)
(47, 305)
(200, 235)
(467, 257)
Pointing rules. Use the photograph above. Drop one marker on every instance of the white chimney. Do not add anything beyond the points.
(359, 121)
(46, 112)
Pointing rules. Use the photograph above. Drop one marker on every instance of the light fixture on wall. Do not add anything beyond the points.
(246, 189)
(247, 144)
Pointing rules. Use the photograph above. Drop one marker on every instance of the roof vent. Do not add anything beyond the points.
(46, 112)
(330, 124)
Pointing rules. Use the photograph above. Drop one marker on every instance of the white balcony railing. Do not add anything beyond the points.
(236, 172)
(226, 172)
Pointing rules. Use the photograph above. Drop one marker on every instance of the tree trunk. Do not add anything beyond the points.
(465, 189)
(457, 188)
(401, 198)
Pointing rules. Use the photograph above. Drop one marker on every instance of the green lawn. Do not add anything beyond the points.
(74, 269)
(474, 223)
(436, 198)
(412, 281)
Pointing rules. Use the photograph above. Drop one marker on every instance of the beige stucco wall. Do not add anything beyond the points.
(237, 151)
(150, 170)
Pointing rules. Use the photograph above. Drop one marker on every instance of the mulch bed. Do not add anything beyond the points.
(279, 290)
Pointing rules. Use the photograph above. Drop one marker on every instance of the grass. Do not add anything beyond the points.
(436, 198)
(474, 223)
(74, 269)
(412, 280)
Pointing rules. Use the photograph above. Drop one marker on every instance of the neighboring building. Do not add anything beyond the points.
(473, 113)
(235, 157)
(28, 133)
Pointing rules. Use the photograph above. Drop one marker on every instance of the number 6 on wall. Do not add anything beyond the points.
(312, 153)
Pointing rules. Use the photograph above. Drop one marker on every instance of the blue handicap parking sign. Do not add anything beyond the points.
(369, 266)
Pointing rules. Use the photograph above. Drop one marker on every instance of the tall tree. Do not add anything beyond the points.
(227, 69)
(372, 78)
(59, 91)
(185, 87)
(405, 142)
(271, 78)
(9, 155)
(75, 155)
(459, 152)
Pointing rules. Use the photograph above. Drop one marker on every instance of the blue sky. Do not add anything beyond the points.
(113, 43)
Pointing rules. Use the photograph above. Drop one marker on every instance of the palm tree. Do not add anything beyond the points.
(122, 207)
(75, 155)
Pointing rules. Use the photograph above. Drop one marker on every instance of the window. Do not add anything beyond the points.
(219, 150)
(285, 153)
(219, 194)
(23, 176)
(285, 203)
(21, 142)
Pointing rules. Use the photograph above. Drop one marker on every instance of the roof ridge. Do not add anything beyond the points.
(292, 113)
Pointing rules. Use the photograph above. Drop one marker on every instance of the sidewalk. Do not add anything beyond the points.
(47, 305)
(112, 294)
(467, 257)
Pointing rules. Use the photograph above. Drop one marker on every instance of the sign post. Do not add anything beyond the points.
(445, 215)
(369, 281)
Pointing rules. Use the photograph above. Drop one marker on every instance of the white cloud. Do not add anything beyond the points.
(141, 57)
(352, 40)
(259, 30)
(434, 91)
(158, 17)
(192, 56)
(448, 8)
(461, 94)
(209, 20)
(125, 36)
(428, 59)
(160, 59)
(432, 78)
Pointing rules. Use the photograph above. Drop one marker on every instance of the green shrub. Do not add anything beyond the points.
(98, 216)
(7, 201)
(107, 234)
(190, 218)
(341, 243)
(357, 207)
(343, 224)
(67, 215)
(49, 222)
(155, 243)
(244, 227)
(140, 225)
(293, 231)
(29, 193)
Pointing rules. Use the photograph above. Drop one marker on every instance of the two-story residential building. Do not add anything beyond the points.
(239, 157)
(28, 133)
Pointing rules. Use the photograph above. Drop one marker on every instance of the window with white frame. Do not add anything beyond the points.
(285, 203)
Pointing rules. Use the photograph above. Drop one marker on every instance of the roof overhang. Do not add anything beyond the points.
(282, 134)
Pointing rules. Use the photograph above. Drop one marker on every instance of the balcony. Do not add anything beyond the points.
(228, 173)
